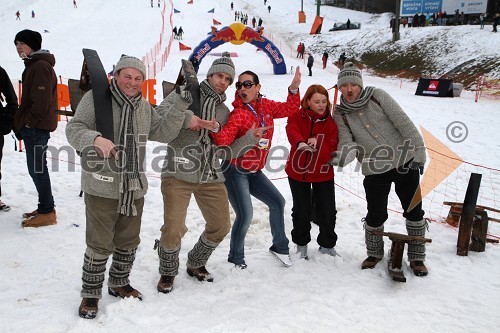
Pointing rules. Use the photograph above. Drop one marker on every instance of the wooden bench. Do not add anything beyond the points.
(397, 248)
(478, 239)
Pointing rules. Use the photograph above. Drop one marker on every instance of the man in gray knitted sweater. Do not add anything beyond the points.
(374, 129)
(113, 178)
(192, 167)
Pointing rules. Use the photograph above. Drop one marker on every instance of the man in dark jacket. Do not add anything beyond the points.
(310, 61)
(36, 119)
(6, 117)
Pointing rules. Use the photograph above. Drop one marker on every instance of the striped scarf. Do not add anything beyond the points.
(364, 98)
(128, 158)
(210, 99)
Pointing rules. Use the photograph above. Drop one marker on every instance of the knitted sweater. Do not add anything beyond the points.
(100, 177)
(382, 137)
(184, 155)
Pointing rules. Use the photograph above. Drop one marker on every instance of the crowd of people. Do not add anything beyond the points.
(217, 156)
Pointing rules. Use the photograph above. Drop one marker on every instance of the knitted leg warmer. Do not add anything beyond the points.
(200, 253)
(416, 250)
(169, 260)
(94, 266)
(123, 259)
(374, 243)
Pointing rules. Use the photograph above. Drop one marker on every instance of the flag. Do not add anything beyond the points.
(190, 1)
(211, 10)
(215, 22)
(176, 11)
(183, 47)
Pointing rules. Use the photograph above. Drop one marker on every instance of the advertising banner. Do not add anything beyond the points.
(412, 7)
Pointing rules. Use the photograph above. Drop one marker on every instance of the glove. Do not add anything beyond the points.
(335, 159)
(184, 94)
(416, 166)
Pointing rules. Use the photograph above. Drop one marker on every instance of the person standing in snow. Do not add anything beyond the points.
(114, 192)
(180, 33)
(369, 119)
(18, 16)
(269, 8)
(310, 62)
(313, 136)
(244, 176)
(36, 119)
(7, 112)
(324, 59)
(192, 168)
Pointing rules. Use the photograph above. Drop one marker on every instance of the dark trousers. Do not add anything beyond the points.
(35, 142)
(326, 213)
(1, 155)
(377, 188)
(310, 70)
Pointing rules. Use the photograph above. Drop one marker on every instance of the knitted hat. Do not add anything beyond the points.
(223, 65)
(31, 38)
(350, 74)
(130, 62)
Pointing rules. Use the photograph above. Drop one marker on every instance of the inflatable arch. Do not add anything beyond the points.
(237, 34)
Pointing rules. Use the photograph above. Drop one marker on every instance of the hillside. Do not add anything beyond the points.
(460, 52)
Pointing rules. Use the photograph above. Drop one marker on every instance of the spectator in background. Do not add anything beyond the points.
(180, 33)
(348, 24)
(310, 62)
(496, 22)
(269, 8)
(324, 59)
(18, 16)
(35, 120)
(75, 6)
(7, 112)
(481, 20)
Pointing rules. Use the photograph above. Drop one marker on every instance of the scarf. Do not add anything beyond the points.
(364, 98)
(209, 100)
(128, 158)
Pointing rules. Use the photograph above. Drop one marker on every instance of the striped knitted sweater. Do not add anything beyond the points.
(378, 133)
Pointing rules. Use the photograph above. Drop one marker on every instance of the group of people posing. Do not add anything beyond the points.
(217, 156)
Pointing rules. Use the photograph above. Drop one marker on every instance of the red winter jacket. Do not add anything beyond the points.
(308, 166)
(241, 120)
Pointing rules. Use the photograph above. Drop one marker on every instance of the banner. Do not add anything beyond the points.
(215, 22)
(211, 10)
(412, 7)
(435, 87)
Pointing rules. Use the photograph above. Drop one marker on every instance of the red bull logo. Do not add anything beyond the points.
(248, 35)
(226, 35)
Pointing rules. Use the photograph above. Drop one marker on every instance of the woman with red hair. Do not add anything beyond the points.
(313, 136)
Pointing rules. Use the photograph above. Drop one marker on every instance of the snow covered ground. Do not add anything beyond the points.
(41, 268)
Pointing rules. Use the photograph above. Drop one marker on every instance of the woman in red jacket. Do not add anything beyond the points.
(313, 136)
(243, 175)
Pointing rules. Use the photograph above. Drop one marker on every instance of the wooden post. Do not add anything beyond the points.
(468, 212)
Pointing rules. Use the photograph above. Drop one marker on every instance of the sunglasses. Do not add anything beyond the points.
(247, 84)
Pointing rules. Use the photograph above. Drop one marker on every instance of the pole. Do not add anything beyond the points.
(468, 212)
(318, 3)
(395, 26)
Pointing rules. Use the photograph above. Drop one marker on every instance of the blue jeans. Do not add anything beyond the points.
(240, 186)
(35, 142)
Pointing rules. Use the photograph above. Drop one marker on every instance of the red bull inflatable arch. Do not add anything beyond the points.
(238, 33)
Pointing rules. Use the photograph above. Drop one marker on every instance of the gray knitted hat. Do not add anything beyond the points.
(223, 65)
(130, 62)
(350, 74)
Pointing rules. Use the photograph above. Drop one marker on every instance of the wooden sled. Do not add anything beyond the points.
(396, 256)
